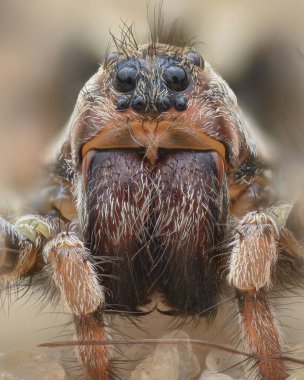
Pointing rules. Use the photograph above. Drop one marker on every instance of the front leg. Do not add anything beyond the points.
(254, 254)
(70, 268)
(19, 246)
(35, 244)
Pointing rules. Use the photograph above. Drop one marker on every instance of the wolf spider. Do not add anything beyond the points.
(158, 188)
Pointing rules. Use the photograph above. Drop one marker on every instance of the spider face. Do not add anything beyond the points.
(153, 137)
(157, 98)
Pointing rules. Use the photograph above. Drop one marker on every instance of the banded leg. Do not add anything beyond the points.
(254, 253)
(69, 266)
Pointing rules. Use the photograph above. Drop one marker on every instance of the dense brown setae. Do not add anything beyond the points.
(162, 222)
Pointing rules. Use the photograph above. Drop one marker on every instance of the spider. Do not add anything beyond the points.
(158, 189)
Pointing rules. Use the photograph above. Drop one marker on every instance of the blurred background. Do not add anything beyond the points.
(48, 49)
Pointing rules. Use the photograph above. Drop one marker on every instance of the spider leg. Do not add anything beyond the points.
(69, 266)
(19, 246)
(35, 243)
(254, 254)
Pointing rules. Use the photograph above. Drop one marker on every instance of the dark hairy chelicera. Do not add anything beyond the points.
(158, 190)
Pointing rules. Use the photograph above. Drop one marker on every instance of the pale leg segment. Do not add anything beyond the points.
(69, 265)
(66, 262)
(254, 254)
(19, 246)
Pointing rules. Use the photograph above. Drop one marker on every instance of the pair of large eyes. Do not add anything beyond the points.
(175, 77)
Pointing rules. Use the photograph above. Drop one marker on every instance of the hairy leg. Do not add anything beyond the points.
(19, 246)
(69, 266)
(254, 254)
(66, 262)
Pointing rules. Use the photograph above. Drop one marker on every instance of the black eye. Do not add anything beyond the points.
(195, 58)
(125, 79)
(176, 78)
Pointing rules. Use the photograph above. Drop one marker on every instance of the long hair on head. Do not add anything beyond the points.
(174, 34)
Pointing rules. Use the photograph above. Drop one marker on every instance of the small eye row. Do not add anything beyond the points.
(175, 78)
(162, 103)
